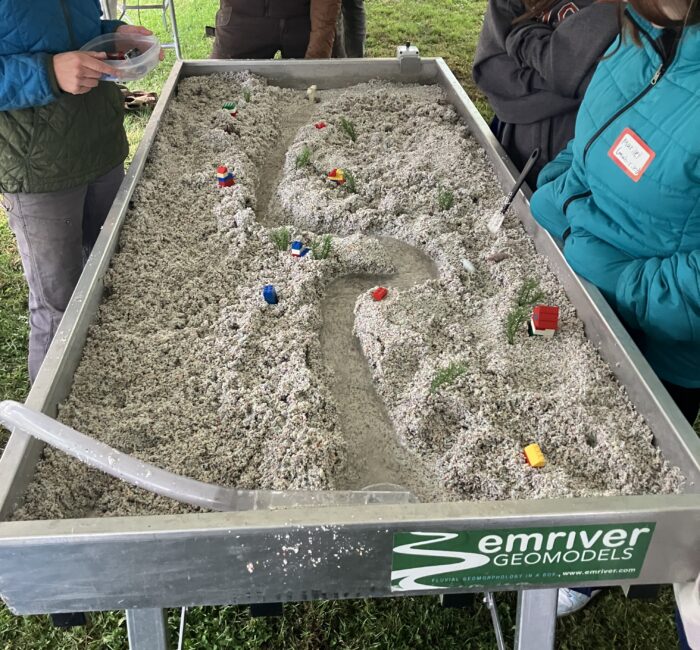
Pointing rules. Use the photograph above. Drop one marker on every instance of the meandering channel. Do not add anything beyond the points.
(374, 452)
(375, 456)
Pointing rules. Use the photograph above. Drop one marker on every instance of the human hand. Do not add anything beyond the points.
(137, 29)
(79, 72)
(133, 29)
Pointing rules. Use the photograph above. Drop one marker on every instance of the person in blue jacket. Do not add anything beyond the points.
(62, 147)
(624, 196)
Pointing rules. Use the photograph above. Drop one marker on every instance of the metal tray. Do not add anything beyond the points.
(147, 563)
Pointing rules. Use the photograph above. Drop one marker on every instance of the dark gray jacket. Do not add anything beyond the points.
(535, 73)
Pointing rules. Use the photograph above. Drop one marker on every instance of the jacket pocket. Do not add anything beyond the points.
(545, 208)
(575, 197)
(597, 261)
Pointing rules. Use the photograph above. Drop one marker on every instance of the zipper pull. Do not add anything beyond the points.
(657, 75)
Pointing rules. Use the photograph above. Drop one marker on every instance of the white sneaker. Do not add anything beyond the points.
(570, 601)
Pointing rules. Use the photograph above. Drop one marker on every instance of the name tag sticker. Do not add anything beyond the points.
(631, 154)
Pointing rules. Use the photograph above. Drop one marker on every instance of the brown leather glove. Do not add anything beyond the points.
(323, 16)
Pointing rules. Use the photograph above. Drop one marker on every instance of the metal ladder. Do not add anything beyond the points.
(117, 9)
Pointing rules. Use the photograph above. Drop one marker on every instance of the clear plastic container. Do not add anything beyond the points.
(133, 55)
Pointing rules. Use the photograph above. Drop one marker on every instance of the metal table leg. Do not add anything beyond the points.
(167, 9)
(107, 12)
(176, 34)
(147, 629)
(490, 601)
(536, 620)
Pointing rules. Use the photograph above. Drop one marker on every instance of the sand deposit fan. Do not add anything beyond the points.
(173, 486)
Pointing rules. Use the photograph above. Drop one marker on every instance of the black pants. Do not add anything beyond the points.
(687, 399)
(350, 31)
(241, 36)
(354, 28)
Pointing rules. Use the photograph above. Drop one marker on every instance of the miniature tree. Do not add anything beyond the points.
(446, 376)
(515, 318)
(349, 128)
(304, 158)
(350, 183)
(247, 95)
(530, 293)
(446, 198)
(321, 248)
(528, 296)
(281, 238)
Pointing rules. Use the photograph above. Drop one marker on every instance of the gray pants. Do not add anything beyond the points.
(55, 233)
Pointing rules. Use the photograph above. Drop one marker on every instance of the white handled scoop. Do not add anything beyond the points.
(496, 221)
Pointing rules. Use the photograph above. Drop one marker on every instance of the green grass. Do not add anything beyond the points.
(446, 198)
(530, 293)
(447, 28)
(514, 321)
(281, 237)
(14, 380)
(304, 158)
(528, 296)
(321, 247)
(350, 184)
(610, 622)
(445, 376)
(349, 128)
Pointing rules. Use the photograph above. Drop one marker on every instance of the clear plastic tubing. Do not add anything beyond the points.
(17, 417)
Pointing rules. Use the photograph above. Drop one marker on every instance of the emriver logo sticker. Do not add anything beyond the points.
(562, 554)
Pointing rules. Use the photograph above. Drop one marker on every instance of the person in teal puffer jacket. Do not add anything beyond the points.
(625, 194)
(62, 147)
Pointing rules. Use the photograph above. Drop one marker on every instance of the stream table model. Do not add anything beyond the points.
(147, 563)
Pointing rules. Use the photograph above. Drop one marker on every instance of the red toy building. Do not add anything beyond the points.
(544, 321)
(379, 293)
(224, 177)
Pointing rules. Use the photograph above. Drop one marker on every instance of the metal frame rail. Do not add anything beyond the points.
(148, 563)
(111, 9)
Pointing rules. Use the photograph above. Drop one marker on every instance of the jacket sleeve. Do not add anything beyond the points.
(110, 26)
(565, 56)
(500, 76)
(555, 168)
(27, 80)
(323, 17)
(495, 72)
(661, 296)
